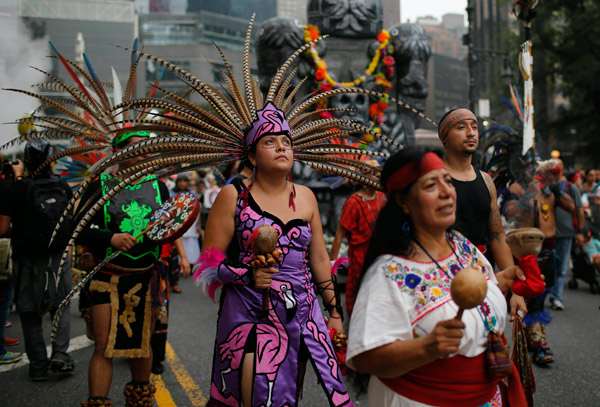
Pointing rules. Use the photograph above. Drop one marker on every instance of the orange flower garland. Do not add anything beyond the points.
(382, 79)
(311, 32)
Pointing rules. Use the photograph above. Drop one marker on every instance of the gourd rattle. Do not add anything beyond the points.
(468, 289)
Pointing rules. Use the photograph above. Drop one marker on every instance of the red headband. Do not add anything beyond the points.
(452, 119)
(412, 171)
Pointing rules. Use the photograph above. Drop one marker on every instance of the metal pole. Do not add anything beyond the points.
(471, 61)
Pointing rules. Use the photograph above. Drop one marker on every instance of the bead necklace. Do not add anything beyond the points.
(483, 309)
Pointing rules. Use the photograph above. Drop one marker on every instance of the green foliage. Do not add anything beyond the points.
(570, 39)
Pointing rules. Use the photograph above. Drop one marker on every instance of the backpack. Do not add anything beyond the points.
(47, 198)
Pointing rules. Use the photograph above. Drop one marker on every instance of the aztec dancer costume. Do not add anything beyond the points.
(283, 337)
(208, 138)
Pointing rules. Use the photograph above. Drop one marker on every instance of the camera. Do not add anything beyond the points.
(7, 171)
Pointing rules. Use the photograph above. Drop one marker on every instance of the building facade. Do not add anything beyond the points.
(104, 24)
(491, 26)
(187, 40)
(264, 9)
(28, 25)
(391, 12)
(448, 83)
(446, 36)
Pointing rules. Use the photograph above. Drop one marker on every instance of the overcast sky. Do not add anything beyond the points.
(411, 9)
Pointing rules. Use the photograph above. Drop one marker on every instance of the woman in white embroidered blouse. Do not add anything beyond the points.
(403, 330)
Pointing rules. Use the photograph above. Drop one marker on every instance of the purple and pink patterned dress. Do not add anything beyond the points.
(283, 337)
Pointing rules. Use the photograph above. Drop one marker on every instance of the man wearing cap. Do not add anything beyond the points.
(120, 293)
(477, 213)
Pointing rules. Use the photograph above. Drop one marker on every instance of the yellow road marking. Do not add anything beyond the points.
(162, 395)
(191, 388)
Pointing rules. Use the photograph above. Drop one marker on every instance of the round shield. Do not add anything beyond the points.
(174, 217)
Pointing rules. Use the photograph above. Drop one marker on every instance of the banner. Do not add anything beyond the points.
(526, 66)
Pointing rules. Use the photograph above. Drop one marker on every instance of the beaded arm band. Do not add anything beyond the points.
(335, 302)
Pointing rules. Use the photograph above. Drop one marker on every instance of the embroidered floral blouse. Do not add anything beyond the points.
(401, 299)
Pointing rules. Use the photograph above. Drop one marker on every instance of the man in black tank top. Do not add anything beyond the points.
(473, 210)
(477, 212)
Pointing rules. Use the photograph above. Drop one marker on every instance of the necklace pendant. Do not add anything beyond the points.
(545, 211)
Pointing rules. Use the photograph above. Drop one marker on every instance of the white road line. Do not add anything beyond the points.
(76, 343)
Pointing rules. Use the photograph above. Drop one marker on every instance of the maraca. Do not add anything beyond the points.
(264, 241)
(468, 289)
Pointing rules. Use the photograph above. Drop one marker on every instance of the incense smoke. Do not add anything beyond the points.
(18, 51)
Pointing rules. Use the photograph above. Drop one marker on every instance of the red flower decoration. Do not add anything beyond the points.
(383, 82)
(314, 33)
(320, 74)
(388, 60)
(381, 37)
(326, 87)
(374, 110)
(383, 105)
(389, 72)
(326, 115)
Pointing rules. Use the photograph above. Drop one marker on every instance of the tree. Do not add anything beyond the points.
(566, 41)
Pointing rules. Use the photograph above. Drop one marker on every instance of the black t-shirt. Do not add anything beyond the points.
(3, 197)
(16, 206)
(97, 240)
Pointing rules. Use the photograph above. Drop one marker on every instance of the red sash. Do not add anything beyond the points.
(456, 381)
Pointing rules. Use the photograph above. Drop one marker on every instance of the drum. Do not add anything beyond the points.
(174, 217)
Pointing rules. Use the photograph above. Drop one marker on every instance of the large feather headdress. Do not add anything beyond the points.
(191, 137)
(236, 108)
(218, 135)
(87, 116)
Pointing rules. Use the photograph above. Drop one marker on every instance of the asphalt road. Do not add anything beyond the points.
(572, 380)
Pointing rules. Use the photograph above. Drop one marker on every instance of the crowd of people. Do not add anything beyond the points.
(413, 226)
(405, 248)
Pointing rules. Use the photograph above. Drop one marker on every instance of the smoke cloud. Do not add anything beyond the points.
(18, 51)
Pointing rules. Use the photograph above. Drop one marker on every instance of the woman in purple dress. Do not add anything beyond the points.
(260, 352)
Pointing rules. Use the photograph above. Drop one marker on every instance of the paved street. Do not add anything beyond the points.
(572, 380)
